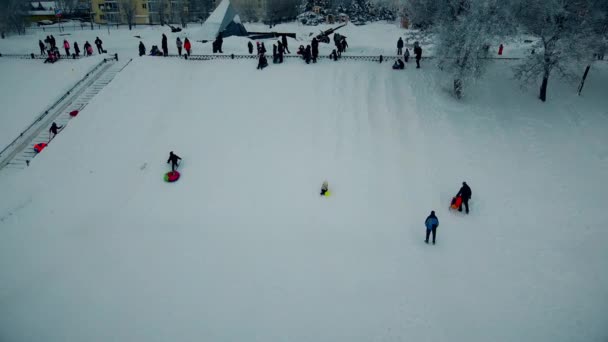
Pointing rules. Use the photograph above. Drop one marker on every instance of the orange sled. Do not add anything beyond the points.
(456, 202)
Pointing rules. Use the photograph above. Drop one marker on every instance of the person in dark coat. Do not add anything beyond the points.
(99, 45)
(52, 41)
(275, 55)
(262, 62)
(333, 55)
(42, 47)
(284, 41)
(307, 54)
(220, 42)
(465, 193)
(418, 53)
(164, 46)
(400, 46)
(344, 44)
(250, 47)
(399, 65)
(76, 49)
(173, 158)
(315, 49)
(54, 130)
(142, 49)
(406, 55)
(281, 51)
(431, 223)
(263, 49)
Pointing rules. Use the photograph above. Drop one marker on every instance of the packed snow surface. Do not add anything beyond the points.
(95, 246)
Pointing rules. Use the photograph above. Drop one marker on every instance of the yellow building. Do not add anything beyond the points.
(145, 11)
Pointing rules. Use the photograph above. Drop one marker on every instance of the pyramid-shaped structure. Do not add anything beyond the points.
(223, 20)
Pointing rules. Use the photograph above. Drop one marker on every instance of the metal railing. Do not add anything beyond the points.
(54, 105)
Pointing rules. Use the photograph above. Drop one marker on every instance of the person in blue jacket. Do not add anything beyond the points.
(431, 223)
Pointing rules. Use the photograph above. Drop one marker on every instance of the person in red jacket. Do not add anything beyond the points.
(66, 46)
(187, 46)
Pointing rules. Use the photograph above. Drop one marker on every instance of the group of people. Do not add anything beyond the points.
(432, 222)
(406, 56)
(49, 48)
(185, 45)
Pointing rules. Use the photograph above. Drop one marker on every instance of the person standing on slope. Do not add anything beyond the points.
(187, 46)
(178, 43)
(173, 158)
(284, 41)
(418, 54)
(465, 193)
(99, 45)
(76, 49)
(399, 46)
(250, 47)
(165, 46)
(142, 49)
(42, 47)
(431, 223)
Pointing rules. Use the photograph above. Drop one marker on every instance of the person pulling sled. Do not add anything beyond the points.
(462, 197)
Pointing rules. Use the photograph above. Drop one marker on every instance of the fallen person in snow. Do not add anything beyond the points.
(399, 65)
(324, 188)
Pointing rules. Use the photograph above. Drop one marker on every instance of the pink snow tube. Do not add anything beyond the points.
(172, 176)
(74, 113)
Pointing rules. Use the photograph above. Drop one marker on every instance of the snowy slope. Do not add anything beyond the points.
(28, 87)
(94, 246)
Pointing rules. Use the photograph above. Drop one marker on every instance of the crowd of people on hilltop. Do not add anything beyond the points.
(49, 48)
(308, 53)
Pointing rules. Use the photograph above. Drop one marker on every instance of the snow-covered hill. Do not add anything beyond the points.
(94, 246)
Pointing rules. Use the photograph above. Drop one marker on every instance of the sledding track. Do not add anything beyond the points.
(18, 154)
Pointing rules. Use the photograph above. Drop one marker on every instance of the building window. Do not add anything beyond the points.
(101, 7)
(144, 6)
(102, 17)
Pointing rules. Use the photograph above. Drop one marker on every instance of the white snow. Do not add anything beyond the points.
(94, 246)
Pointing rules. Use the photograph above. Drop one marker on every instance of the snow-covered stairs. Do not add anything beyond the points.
(20, 155)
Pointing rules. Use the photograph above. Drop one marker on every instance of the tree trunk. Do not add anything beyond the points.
(543, 86)
(458, 88)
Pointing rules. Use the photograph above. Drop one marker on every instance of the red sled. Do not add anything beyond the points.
(456, 202)
(74, 113)
(39, 147)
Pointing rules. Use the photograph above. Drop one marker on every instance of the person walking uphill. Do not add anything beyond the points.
(54, 130)
(465, 193)
(418, 54)
(178, 43)
(165, 46)
(431, 223)
(400, 46)
(76, 49)
(173, 158)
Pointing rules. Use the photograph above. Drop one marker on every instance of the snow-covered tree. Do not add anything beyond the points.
(465, 30)
(563, 30)
(13, 16)
(422, 13)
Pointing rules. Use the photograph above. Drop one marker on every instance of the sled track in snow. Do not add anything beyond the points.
(19, 153)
